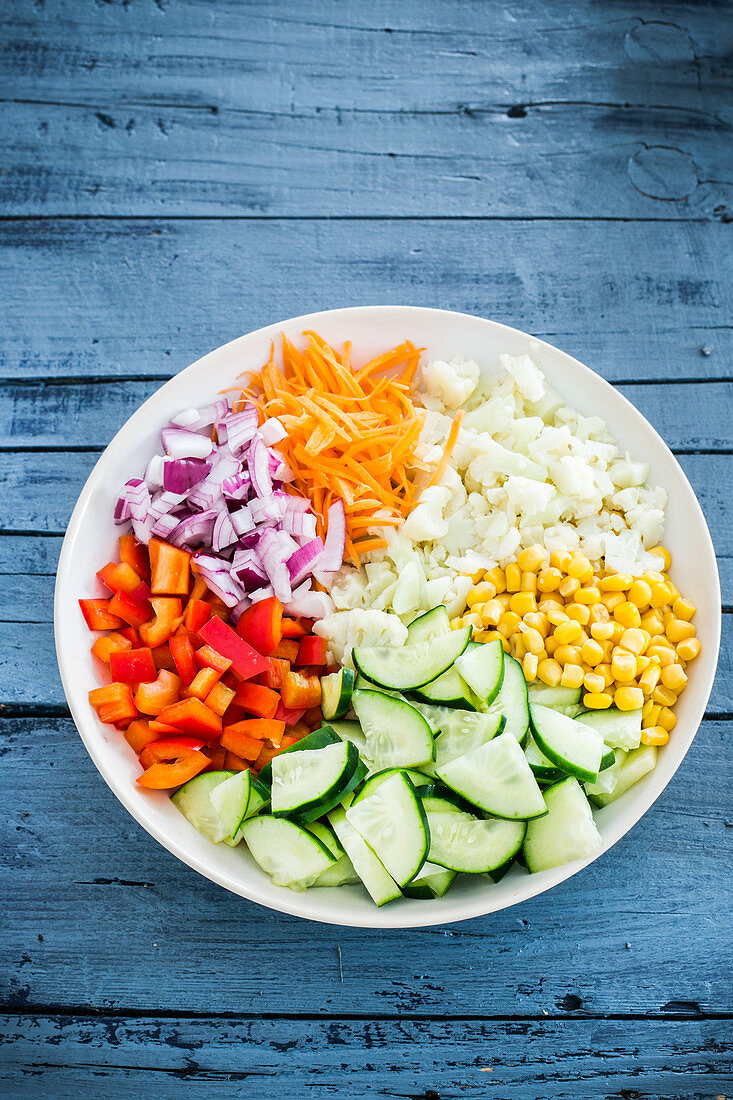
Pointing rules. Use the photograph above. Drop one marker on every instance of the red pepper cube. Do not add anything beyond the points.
(134, 554)
(296, 628)
(170, 763)
(312, 651)
(287, 650)
(206, 657)
(108, 644)
(113, 703)
(98, 616)
(154, 697)
(183, 655)
(133, 666)
(301, 691)
(257, 699)
(203, 682)
(134, 612)
(120, 577)
(192, 716)
(246, 662)
(139, 734)
(275, 675)
(219, 698)
(167, 615)
(170, 569)
(261, 625)
(198, 612)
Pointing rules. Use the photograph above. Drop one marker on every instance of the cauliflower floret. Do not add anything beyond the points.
(528, 497)
(528, 378)
(344, 630)
(452, 383)
(425, 523)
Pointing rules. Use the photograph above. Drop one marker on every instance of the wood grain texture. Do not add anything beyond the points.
(146, 298)
(158, 936)
(445, 1059)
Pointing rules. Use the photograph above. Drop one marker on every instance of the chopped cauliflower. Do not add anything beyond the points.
(451, 383)
(344, 630)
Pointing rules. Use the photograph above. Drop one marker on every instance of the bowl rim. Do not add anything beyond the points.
(297, 904)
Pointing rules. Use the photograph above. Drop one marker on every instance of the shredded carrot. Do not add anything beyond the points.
(437, 474)
(352, 432)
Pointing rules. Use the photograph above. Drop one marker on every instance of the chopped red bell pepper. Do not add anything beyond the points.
(132, 635)
(287, 650)
(113, 702)
(139, 734)
(203, 682)
(107, 644)
(197, 613)
(133, 666)
(261, 625)
(172, 763)
(268, 753)
(120, 577)
(134, 554)
(301, 691)
(134, 612)
(262, 729)
(257, 699)
(275, 675)
(234, 763)
(183, 655)
(246, 661)
(167, 616)
(98, 616)
(234, 741)
(206, 657)
(154, 697)
(296, 628)
(312, 651)
(163, 748)
(193, 717)
(219, 698)
(164, 658)
(290, 716)
(216, 757)
(170, 569)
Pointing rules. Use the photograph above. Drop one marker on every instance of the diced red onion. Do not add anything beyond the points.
(333, 557)
(224, 534)
(165, 525)
(291, 503)
(154, 472)
(270, 550)
(247, 568)
(237, 486)
(242, 521)
(181, 443)
(181, 474)
(197, 419)
(238, 429)
(273, 431)
(309, 605)
(135, 498)
(258, 464)
(266, 512)
(300, 564)
(194, 529)
(218, 578)
(301, 524)
(263, 593)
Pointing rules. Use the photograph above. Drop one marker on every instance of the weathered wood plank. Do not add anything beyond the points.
(87, 413)
(158, 936)
(107, 298)
(540, 1060)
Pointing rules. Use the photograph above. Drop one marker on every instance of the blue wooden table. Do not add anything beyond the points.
(177, 172)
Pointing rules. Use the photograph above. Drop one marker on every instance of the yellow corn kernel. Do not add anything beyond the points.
(678, 630)
(561, 559)
(612, 599)
(567, 654)
(477, 576)
(555, 615)
(505, 644)
(651, 577)
(483, 635)
(531, 558)
(549, 672)
(457, 624)
(654, 736)
(513, 575)
(651, 621)
(588, 596)
(504, 598)
(642, 662)
(550, 602)
(649, 678)
(607, 648)
(597, 700)
(533, 641)
(550, 645)
(602, 632)
(481, 593)
(567, 631)
(664, 554)
(572, 676)
(676, 594)
(689, 649)
(665, 696)
(508, 623)
(579, 612)
(623, 666)
(649, 720)
(661, 640)
(661, 654)
(473, 620)
(604, 670)
(628, 698)
(580, 568)
(647, 708)
(674, 678)
(592, 653)
(568, 587)
(491, 636)
(683, 609)
(599, 613)
(496, 577)
(522, 603)
(667, 720)
(660, 594)
(529, 583)
(593, 682)
(517, 646)
(634, 639)
(616, 582)
(549, 580)
(491, 612)
(538, 622)
(529, 667)
(640, 593)
(627, 614)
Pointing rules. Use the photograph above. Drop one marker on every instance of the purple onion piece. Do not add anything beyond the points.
(300, 564)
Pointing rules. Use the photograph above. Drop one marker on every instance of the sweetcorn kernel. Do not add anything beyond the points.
(567, 632)
(651, 621)
(522, 603)
(642, 662)
(531, 558)
(683, 609)
(592, 653)
(529, 583)
(666, 720)
(529, 666)
(628, 698)
(678, 630)
(688, 649)
(640, 593)
(593, 682)
(627, 614)
(549, 580)
(508, 623)
(580, 568)
(567, 654)
(549, 672)
(654, 736)
(635, 640)
(674, 678)
(660, 594)
(664, 695)
(568, 587)
(652, 714)
(604, 670)
(623, 666)
(561, 559)
(612, 599)
(491, 612)
(649, 678)
(555, 615)
(602, 632)
(588, 596)
(538, 622)
(496, 577)
(513, 575)
(579, 612)
(597, 700)
(616, 582)
(661, 654)
(473, 620)
(533, 641)
(599, 613)
(572, 676)
(550, 645)
(664, 554)
(481, 593)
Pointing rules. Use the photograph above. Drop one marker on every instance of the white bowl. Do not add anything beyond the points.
(91, 540)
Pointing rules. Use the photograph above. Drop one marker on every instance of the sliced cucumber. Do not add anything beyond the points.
(414, 664)
(393, 823)
(512, 700)
(462, 734)
(621, 729)
(327, 837)
(542, 767)
(396, 733)
(573, 747)
(418, 780)
(193, 799)
(497, 778)
(289, 854)
(429, 625)
(450, 690)
(628, 769)
(608, 759)
(319, 739)
(439, 799)
(482, 667)
(341, 874)
(432, 882)
(306, 783)
(350, 731)
(362, 683)
(567, 832)
(461, 842)
(237, 798)
(565, 700)
(380, 886)
(336, 692)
